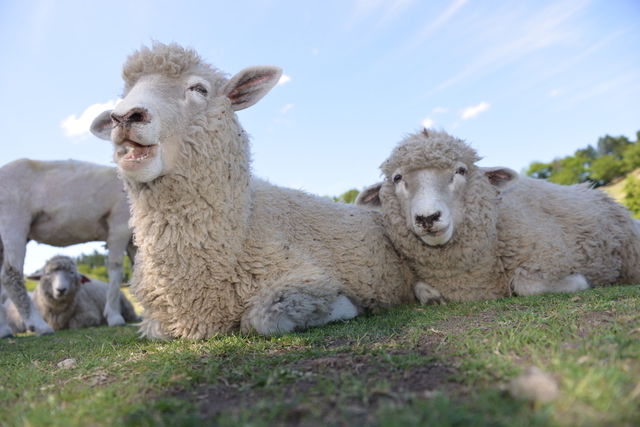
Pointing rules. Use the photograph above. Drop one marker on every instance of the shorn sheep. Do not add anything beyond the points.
(220, 250)
(475, 233)
(60, 203)
(69, 300)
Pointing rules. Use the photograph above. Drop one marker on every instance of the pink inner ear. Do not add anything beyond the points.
(370, 197)
(495, 177)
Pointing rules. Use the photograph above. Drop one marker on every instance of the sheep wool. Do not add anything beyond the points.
(221, 250)
(511, 235)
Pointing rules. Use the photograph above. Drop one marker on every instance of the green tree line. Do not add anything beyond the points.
(611, 159)
(96, 266)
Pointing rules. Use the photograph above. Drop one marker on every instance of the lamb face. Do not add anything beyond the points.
(431, 200)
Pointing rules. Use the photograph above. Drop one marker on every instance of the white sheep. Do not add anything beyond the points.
(67, 299)
(60, 203)
(475, 233)
(220, 250)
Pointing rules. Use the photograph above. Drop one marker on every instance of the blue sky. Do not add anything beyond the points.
(519, 80)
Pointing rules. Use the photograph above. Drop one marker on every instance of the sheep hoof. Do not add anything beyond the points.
(5, 332)
(428, 295)
(116, 320)
(44, 331)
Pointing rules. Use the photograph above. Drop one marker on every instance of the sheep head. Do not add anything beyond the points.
(59, 280)
(167, 89)
(428, 178)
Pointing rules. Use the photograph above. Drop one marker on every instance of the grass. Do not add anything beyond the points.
(436, 365)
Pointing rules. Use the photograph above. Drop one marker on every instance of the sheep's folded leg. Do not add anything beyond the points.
(289, 309)
(427, 294)
(570, 283)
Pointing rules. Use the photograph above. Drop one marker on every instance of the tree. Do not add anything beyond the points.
(632, 197)
(347, 196)
(612, 158)
(95, 266)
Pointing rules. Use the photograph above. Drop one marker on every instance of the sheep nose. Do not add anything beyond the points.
(135, 115)
(427, 221)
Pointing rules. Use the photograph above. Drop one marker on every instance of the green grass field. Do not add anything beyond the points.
(435, 365)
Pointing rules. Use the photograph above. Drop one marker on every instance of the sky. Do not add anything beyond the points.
(520, 81)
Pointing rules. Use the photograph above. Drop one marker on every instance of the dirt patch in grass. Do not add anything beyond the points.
(332, 385)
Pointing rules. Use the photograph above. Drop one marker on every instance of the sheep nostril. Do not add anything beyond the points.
(428, 221)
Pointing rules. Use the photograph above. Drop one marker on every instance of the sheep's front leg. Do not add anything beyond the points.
(293, 308)
(427, 294)
(523, 286)
(13, 283)
(5, 329)
(117, 245)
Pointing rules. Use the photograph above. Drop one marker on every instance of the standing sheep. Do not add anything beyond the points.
(69, 300)
(220, 250)
(60, 203)
(475, 233)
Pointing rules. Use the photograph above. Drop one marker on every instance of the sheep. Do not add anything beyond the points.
(67, 299)
(474, 233)
(218, 249)
(60, 203)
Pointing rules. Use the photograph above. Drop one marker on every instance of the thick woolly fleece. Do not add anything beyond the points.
(534, 230)
(215, 242)
(81, 307)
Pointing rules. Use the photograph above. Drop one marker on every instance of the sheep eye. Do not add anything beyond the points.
(200, 89)
(397, 178)
(461, 171)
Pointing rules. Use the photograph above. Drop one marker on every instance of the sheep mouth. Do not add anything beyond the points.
(436, 237)
(132, 151)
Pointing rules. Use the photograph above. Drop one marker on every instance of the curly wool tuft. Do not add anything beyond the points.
(429, 149)
(170, 60)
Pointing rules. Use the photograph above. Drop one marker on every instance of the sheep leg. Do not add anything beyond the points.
(117, 244)
(12, 280)
(5, 329)
(570, 283)
(427, 294)
(292, 308)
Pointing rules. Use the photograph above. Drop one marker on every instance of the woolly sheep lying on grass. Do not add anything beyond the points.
(67, 299)
(475, 233)
(60, 203)
(220, 250)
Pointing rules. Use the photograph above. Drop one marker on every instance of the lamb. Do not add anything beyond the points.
(218, 249)
(69, 300)
(475, 233)
(60, 203)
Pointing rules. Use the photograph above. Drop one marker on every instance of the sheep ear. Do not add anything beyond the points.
(501, 177)
(250, 85)
(102, 125)
(84, 279)
(369, 198)
(35, 277)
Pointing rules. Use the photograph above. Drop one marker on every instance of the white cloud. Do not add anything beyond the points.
(427, 122)
(287, 108)
(284, 79)
(315, 51)
(440, 110)
(78, 127)
(554, 92)
(473, 112)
